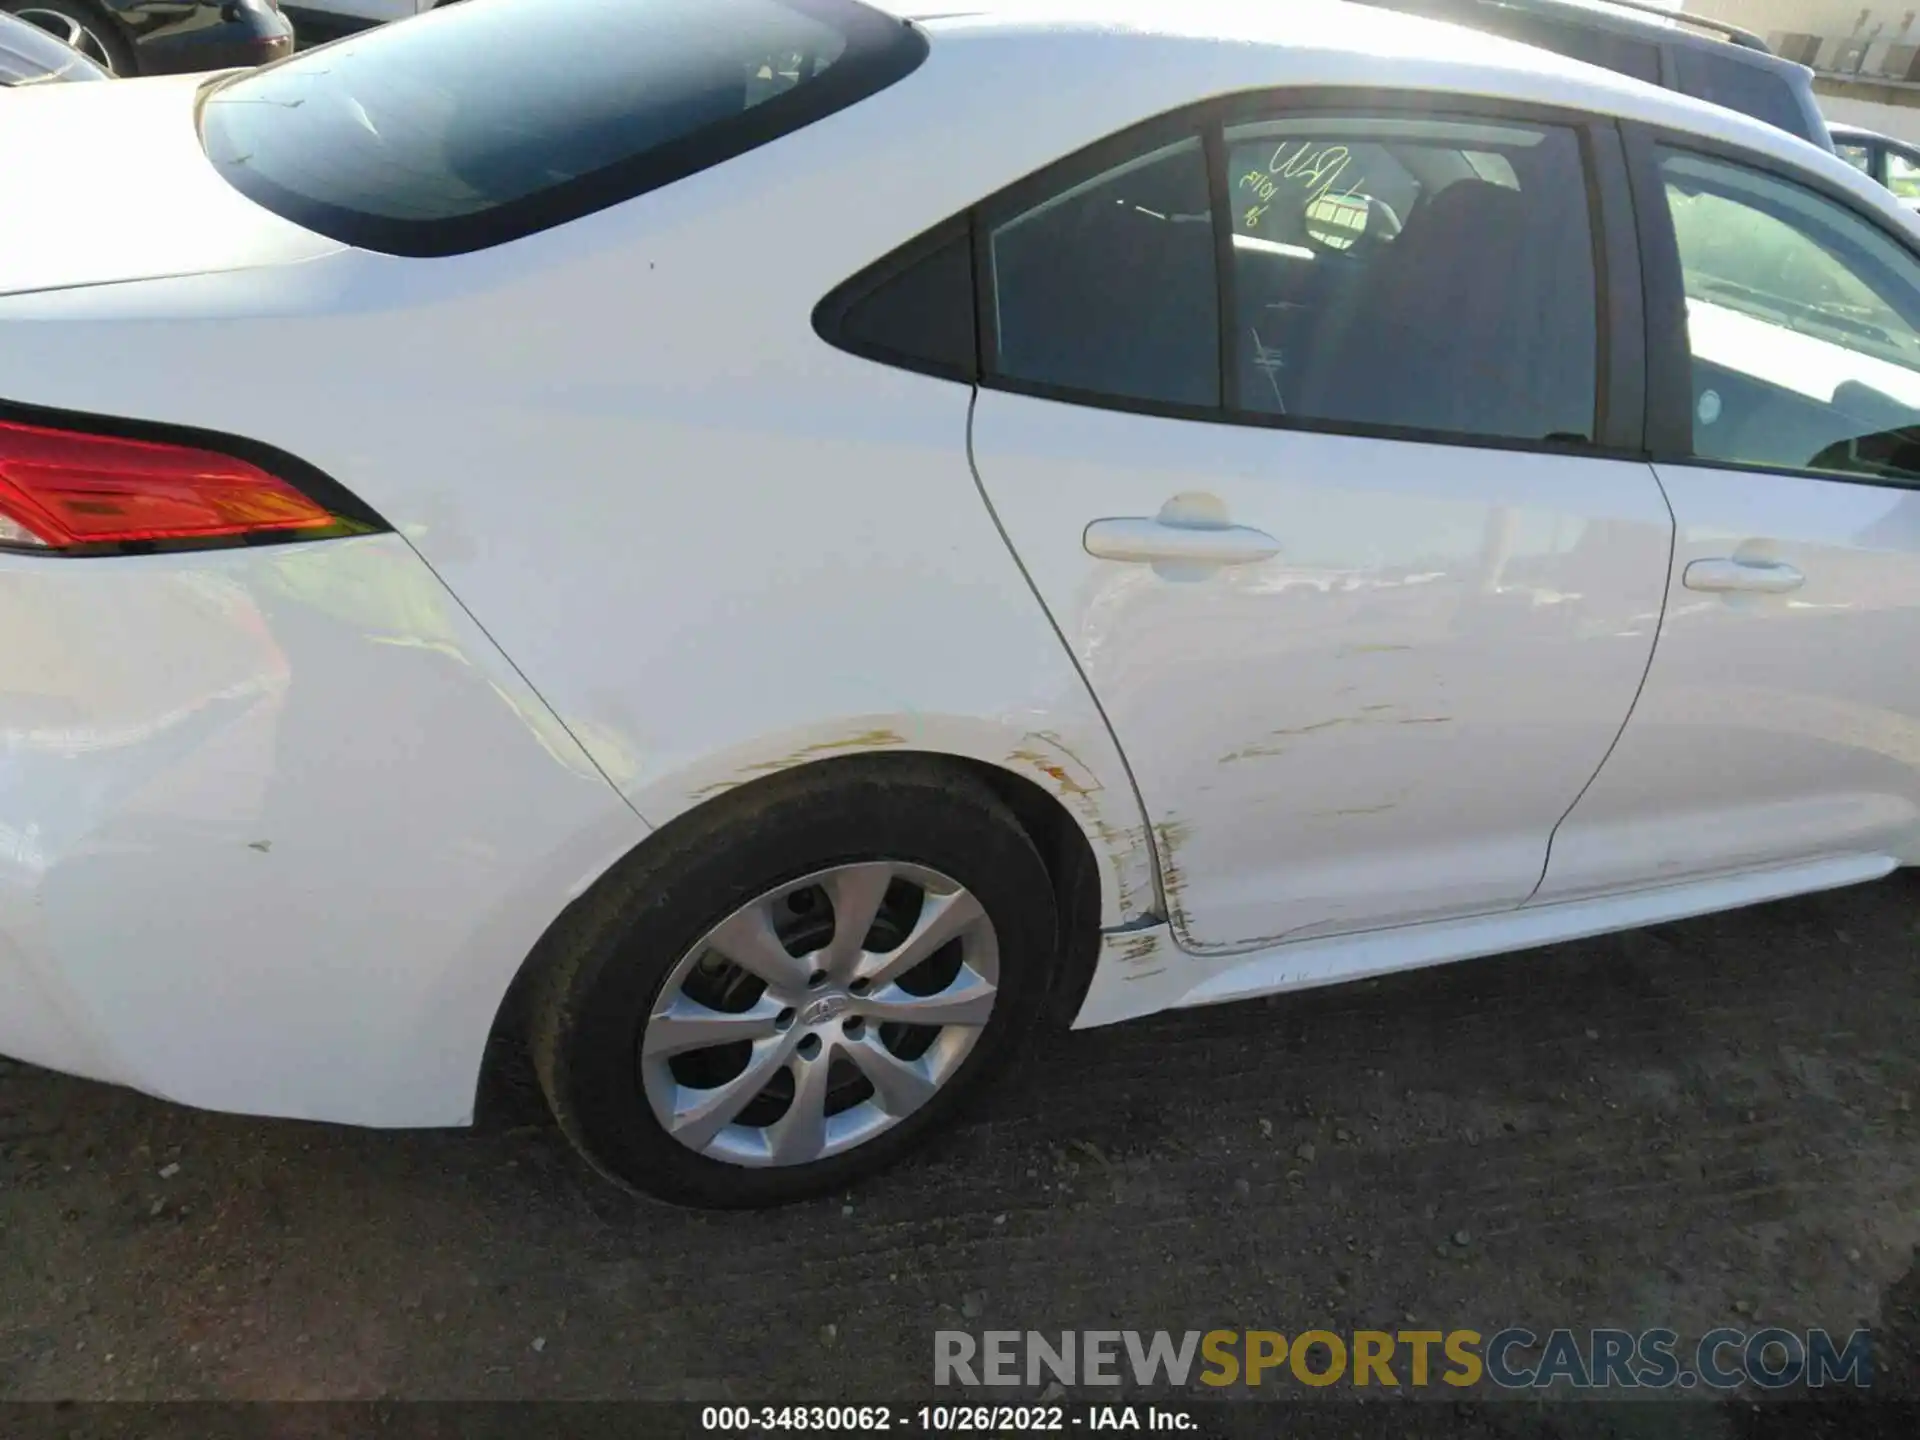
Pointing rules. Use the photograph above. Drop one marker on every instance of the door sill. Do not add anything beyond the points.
(1142, 971)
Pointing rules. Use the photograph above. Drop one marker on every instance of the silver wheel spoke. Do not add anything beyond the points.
(856, 892)
(810, 1010)
(713, 1110)
(942, 917)
(968, 1001)
(801, 1134)
(688, 1025)
(899, 1086)
(749, 941)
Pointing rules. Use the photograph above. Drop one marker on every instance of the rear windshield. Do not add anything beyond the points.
(1591, 43)
(1757, 90)
(479, 123)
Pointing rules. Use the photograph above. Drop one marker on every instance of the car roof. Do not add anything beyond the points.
(1192, 48)
(1677, 28)
(1271, 21)
(1681, 29)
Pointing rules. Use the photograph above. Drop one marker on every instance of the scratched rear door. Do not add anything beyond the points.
(1360, 590)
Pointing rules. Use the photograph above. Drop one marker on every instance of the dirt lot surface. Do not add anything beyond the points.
(1709, 1123)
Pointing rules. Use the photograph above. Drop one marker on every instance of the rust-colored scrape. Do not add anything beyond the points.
(1172, 834)
(1317, 725)
(1134, 948)
(865, 740)
(1252, 752)
(1073, 780)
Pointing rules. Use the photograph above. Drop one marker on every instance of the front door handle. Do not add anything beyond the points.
(1766, 577)
(1156, 542)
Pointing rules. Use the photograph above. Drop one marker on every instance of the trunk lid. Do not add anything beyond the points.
(121, 190)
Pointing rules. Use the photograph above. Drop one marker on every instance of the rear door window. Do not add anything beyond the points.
(479, 123)
(1414, 273)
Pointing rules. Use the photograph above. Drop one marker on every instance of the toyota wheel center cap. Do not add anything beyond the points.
(827, 1007)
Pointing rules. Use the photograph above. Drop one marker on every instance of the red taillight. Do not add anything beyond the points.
(60, 490)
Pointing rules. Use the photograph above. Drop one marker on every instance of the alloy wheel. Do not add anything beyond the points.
(820, 1014)
(75, 32)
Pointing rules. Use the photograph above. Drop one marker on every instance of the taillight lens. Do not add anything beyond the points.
(62, 490)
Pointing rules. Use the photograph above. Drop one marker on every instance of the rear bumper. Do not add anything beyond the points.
(277, 829)
(255, 36)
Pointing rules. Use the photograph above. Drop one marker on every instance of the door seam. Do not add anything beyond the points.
(1653, 651)
(1158, 911)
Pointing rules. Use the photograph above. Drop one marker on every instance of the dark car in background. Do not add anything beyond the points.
(30, 56)
(163, 37)
(1709, 59)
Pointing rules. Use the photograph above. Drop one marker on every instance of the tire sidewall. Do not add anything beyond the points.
(593, 1074)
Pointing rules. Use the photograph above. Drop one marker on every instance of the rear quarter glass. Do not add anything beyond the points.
(477, 124)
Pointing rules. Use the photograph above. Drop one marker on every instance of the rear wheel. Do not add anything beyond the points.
(83, 26)
(797, 987)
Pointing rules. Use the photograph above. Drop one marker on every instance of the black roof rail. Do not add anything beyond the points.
(1744, 38)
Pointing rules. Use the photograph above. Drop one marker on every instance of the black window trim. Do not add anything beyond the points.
(829, 316)
(1669, 358)
(1619, 399)
(881, 51)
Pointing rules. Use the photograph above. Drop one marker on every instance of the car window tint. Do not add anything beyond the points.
(1412, 273)
(1756, 90)
(1592, 43)
(1903, 174)
(1803, 321)
(1108, 287)
(476, 123)
(1858, 156)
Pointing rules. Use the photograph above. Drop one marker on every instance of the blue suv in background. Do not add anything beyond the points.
(1708, 59)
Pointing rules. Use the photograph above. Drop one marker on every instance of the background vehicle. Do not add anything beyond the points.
(1252, 508)
(1706, 58)
(30, 56)
(1893, 163)
(163, 37)
(328, 19)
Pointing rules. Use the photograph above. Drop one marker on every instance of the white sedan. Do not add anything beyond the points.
(783, 545)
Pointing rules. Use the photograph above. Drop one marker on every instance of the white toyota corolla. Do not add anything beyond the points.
(789, 542)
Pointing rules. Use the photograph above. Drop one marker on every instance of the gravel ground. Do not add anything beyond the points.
(1707, 1123)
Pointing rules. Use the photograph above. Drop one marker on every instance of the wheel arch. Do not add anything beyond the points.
(1065, 835)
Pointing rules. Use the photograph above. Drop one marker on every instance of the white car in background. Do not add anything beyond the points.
(1893, 163)
(789, 546)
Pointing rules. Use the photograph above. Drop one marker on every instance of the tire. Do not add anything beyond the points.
(637, 956)
(85, 27)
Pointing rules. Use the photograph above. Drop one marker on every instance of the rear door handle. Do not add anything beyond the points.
(1155, 541)
(1724, 576)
